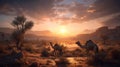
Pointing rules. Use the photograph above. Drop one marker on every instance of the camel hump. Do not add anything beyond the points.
(90, 43)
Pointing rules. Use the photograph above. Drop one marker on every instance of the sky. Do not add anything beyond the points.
(62, 17)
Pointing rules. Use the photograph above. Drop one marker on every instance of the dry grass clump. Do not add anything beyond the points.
(62, 62)
(29, 48)
(109, 57)
(45, 53)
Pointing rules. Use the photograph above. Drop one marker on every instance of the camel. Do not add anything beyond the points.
(89, 46)
(57, 49)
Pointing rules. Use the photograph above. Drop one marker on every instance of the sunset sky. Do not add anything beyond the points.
(62, 17)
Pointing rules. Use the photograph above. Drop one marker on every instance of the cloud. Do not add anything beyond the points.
(61, 11)
(103, 8)
(108, 7)
(70, 12)
(32, 8)
(115, 21)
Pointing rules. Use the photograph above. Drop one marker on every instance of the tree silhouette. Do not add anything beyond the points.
(21, 26)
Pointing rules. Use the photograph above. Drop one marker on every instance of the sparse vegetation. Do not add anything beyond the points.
(63, 62)
(106, 58)
(29, 48)
(21, 26)
(45, 53)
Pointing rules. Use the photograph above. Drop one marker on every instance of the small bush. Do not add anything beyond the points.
(109, 58)
(45, 53)
(97, 59)
(29, 48)
(63, 62)
(115, 54)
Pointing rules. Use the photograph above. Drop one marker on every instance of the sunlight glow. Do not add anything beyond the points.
(63, 31)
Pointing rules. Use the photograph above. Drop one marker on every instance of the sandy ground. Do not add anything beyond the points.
(51, 61)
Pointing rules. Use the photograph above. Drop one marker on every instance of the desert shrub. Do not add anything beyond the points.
(15, 59)
(79, 52)
(62, 62)
(115, 54)
(97, 59)
(29, 48)
(45, 53)
(109, 58)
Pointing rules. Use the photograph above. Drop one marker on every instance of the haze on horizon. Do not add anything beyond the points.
(62, 17)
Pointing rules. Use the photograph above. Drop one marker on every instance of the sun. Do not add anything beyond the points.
(63, 31)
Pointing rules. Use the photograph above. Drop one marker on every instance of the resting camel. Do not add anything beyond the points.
(57, 49)
(89, 46)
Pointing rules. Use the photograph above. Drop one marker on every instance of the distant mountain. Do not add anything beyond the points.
(40, 33)
(112, 34)
(6, 30)
(29, 34)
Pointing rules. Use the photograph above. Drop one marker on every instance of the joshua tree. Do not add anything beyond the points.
(89, 46)
(57, 49)
(21, 26)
